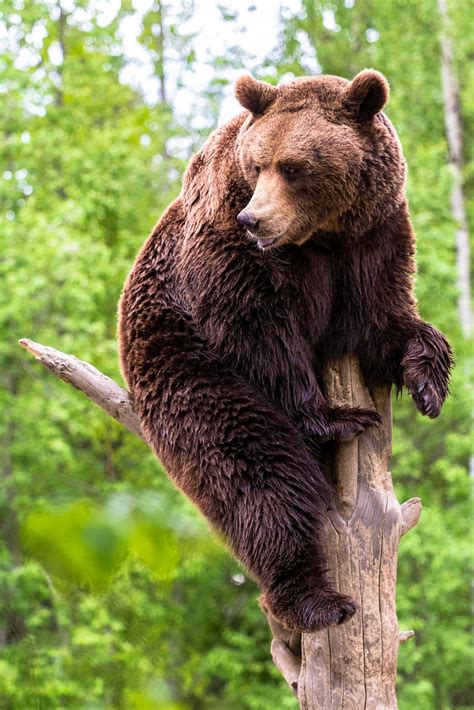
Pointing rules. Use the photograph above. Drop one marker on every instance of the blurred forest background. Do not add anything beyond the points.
(113, 592)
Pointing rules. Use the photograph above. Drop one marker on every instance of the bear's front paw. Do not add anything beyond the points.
(426, 399)
(338, 423)
(314, 612)
(345, 423)
(426, 367)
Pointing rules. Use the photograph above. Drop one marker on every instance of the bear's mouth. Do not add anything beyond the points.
(266, 242)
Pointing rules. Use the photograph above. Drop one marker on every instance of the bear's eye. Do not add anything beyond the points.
(256, 169)
(289, 171)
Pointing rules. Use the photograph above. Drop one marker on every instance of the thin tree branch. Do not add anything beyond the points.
(102, 390)
(286, 662)
(285, 650)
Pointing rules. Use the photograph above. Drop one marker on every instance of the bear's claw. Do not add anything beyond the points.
(345, 423)
(426, 399)
(335, 611)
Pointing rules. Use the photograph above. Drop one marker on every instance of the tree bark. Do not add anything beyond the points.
(453, 123)
(352, 666)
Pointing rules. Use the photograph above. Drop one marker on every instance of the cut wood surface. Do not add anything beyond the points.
(352, 666)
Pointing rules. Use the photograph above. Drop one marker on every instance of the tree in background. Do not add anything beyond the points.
(114, 595)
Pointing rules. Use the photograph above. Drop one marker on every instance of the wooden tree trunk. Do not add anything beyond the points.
(352, 666)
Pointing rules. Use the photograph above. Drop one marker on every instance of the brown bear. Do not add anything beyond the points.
(289, 244)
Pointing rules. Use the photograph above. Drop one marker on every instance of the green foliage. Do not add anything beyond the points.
(84, 544)
(113, 593)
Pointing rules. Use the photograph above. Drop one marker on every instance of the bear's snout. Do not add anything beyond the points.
(248, 220)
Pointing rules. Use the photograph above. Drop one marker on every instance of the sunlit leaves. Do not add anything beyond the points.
(83, 544)
(76, 543)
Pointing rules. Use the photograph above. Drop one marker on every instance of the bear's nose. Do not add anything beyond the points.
(248, 220)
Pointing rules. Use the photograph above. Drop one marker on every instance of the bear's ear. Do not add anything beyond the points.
(254, 95)
(367, 94)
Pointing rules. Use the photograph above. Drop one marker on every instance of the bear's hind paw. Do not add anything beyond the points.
(316, 611)
(321, 611)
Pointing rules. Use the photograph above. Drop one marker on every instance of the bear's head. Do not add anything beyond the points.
(320, 157)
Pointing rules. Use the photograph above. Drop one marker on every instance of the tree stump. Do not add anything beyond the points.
(354, 666)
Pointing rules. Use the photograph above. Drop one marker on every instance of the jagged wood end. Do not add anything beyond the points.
(404, 636)
(102, 390)
(286, 662)
(411, 511)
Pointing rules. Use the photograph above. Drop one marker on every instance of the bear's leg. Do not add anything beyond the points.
(275, 496)
(280, 546)
(244, 464)
(426, 368)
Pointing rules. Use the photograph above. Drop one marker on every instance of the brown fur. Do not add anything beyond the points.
(225, 328)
